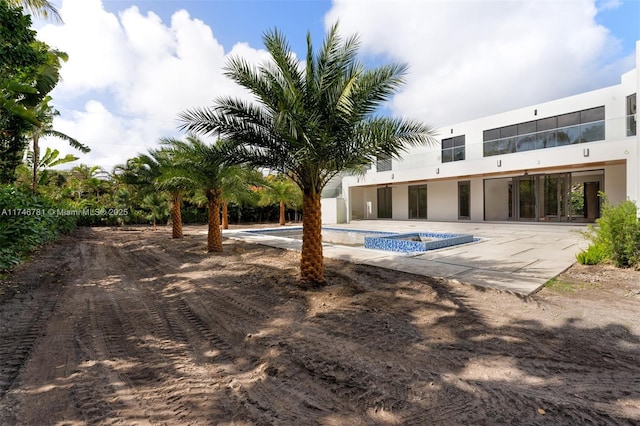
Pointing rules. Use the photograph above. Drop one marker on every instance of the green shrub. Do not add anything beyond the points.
(28, 221)
(617, 235)
(593, 255)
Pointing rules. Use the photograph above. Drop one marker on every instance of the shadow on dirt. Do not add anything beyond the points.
(158, 330)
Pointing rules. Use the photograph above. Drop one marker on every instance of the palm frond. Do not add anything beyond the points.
(71, 141)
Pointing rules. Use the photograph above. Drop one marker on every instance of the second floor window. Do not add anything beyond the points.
(383, 164)
(453, 149)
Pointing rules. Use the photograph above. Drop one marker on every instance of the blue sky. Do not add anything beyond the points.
(135, 64)
(244, 20)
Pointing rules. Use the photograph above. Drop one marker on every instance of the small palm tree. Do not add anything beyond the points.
(282, 190)
(156, 204)
(238, 189)
(157, 171)
(310, 123)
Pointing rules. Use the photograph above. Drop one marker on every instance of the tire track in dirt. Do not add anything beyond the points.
(18, 342)
(141, 334)
(154, 346)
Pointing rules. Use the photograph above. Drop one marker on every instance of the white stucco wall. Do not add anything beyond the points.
(329, 208)
(615, 183)
(422, 165)
(442, 201)
(496, 195)
(401, 202)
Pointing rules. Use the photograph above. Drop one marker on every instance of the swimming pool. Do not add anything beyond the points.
(412, 242)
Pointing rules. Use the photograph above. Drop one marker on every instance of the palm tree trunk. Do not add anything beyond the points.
(214, 236)
(282, 219)
(225, 215)
(176, 215)
(311, 260)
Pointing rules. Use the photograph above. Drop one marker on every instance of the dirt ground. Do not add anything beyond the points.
(113, 326)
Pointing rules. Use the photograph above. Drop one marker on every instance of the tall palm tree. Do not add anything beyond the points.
(310, 123)
(207, 168)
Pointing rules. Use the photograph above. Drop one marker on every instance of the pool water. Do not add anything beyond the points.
(413, 242)
(339, 236)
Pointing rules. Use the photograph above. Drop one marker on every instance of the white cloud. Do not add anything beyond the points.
(134, 73)
(474, 58)
(130, 74)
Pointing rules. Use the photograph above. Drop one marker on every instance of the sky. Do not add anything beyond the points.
(134, 65)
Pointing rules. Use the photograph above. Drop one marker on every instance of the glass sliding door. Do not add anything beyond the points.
(464, 200)
(556, 193)
(418, 202)
(525, 198)
(556, 197)
(385, 203)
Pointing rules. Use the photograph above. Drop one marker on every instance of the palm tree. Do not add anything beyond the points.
(45, 114)
(282, 190)
(310, 123)
(38, 8)
(237, 188)
(157, 204)
(155, 171)
(206, 167)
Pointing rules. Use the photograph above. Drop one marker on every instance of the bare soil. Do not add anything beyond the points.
(114, 326)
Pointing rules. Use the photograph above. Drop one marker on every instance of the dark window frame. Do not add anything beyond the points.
(453, 149)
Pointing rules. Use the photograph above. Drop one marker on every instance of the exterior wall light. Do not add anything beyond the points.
(499, 162)
(437, 170)
(585, 152)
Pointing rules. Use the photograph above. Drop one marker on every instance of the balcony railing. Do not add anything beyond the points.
(580, 133)
(332, 193)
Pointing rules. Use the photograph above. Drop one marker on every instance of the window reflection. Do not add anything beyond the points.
(566, 129)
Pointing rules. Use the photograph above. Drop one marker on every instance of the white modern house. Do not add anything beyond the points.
(546, 162)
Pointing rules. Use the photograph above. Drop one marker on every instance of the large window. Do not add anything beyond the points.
(566, 129)
(383, 164)
(631, 115)
(453, 149)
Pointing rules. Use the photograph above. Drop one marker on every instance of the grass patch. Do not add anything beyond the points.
(559, 286)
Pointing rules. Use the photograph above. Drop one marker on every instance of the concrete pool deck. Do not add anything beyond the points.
(514, 257)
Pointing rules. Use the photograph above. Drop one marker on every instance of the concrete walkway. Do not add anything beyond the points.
(514, 257)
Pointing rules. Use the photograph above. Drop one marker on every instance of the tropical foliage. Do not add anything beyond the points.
(39, 8)
(29, 71)
(28, 221)
(616, 236)
(310, 123)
